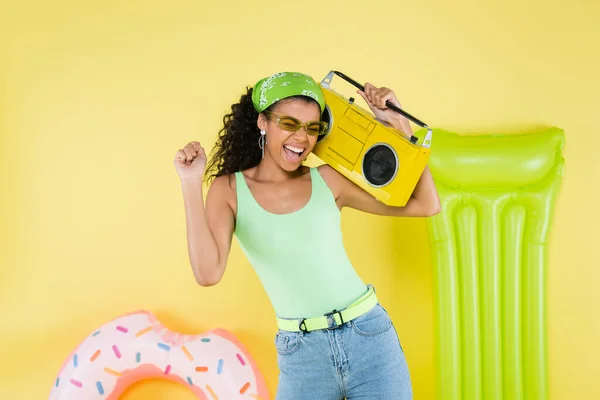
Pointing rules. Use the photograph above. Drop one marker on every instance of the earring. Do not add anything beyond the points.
(262, 141)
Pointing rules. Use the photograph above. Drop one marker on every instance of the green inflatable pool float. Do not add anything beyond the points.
(489, 248)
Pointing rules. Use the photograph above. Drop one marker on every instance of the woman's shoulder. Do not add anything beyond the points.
(325, 169)
(329, 174)
(332, 178)
(223, 190)
(224, 185)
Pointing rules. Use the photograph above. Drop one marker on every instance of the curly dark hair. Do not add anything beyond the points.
(236, 148)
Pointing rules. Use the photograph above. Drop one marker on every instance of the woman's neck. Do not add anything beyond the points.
(268, 170)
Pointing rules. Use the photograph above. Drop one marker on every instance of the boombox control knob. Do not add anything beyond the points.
(351, 100)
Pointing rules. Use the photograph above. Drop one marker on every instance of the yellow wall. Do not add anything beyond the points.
(98, 95)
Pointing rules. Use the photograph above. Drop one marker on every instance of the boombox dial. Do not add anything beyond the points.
(326, 117)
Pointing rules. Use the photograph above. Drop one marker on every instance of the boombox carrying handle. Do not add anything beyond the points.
(327, 81)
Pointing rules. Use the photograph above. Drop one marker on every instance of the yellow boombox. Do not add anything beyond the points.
(382, 160)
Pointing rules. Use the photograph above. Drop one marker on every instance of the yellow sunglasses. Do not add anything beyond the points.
(291, 124)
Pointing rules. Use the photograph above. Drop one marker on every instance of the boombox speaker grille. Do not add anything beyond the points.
(380, 165)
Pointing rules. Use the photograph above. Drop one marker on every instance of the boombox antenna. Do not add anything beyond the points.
(327, 80)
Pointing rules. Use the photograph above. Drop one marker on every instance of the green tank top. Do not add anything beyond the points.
(299, 257)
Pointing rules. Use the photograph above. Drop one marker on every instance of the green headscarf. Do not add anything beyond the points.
(278, 86)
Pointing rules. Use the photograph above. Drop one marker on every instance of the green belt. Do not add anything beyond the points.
(332, 319)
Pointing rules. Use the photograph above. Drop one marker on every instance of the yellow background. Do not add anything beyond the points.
(97, 96)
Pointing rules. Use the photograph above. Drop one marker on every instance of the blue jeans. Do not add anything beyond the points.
(362, 359)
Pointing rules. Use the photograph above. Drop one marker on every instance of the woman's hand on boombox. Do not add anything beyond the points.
(376, 98)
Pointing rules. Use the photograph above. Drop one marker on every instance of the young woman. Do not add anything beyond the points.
(334, 339)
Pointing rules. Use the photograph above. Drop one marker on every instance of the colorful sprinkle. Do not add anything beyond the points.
(187, 353)
(190, 381)
(206, 340)
(99, 387)
(163, 346)
(75, 360)
(57, 380)
(211, 392)
(167, 370)
(138, 357)
(140, 333)
(112, 371)
(95, 355)
(201, 369)
(95, 333)
(76, 383)
(220, 367)
(122, 329)
(244, 388)
(239, 357)
(116, 351)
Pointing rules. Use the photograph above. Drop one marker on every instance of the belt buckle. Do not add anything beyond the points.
(331, 322)
(302, 325)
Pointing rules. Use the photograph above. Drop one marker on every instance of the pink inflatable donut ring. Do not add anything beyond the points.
(136, 346)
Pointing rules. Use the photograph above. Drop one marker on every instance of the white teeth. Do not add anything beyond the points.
(294, 149)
